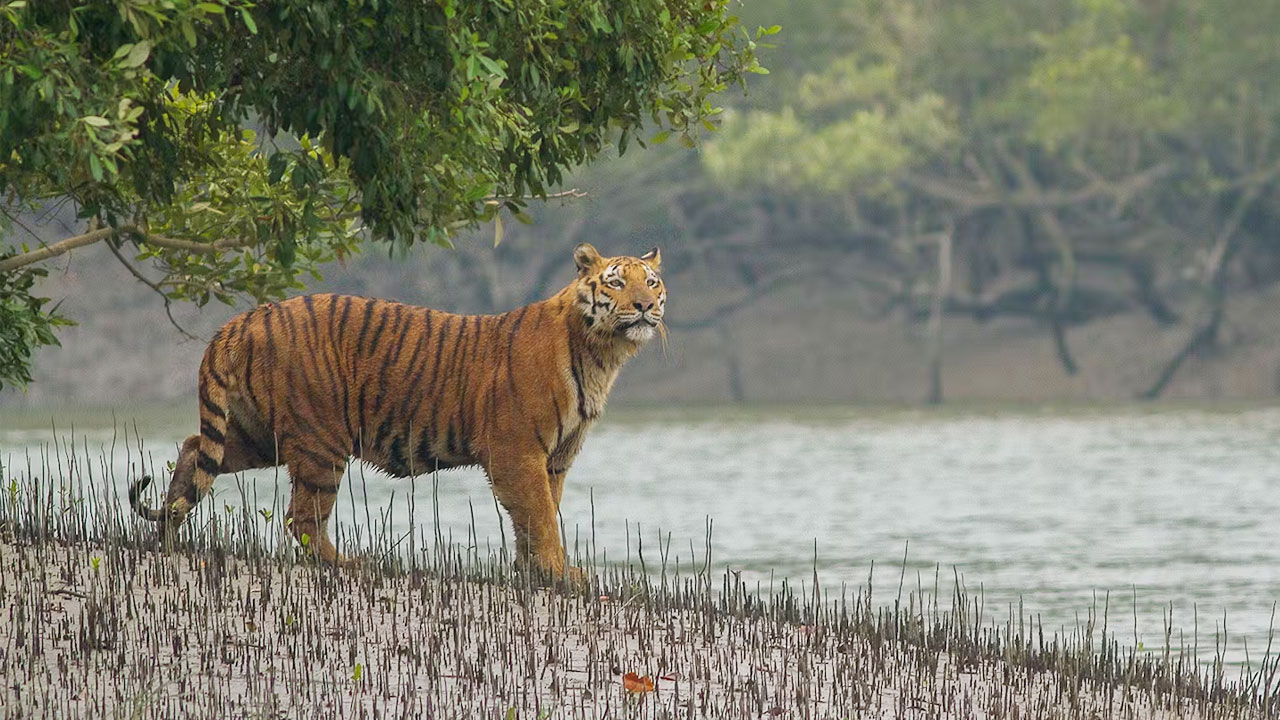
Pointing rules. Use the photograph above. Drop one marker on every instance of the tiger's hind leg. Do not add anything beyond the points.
(315, 490)
(244, 450)
(182, 494)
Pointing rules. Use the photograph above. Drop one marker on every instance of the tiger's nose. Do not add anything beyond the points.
(643, 306)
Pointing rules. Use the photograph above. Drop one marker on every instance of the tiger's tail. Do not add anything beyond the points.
(140, 506)
(184, 493)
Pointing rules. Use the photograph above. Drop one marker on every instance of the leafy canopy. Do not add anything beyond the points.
(396, 120)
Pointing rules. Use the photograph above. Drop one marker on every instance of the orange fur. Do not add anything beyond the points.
(312, 381)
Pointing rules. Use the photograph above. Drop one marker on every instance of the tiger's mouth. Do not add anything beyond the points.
(640, 330)
(638, 322)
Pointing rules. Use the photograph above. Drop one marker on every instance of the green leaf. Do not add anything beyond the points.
(276, 166)
(440, 237)
(248, 20)
(95, 120)
(497, 231)
(480, 192)
(287, 250)
(492, 66)
(138, 54)
(95, 167)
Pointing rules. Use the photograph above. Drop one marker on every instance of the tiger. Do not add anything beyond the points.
(316, 380)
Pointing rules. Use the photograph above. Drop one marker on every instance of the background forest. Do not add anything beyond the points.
(924, 200)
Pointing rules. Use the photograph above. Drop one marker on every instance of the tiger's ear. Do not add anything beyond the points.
(653, 257)
(586, 257)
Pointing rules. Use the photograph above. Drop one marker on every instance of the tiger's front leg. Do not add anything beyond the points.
(524, 490)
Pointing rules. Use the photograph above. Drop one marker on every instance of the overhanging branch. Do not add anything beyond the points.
(168, 304)
(67, 245)
(59, 248)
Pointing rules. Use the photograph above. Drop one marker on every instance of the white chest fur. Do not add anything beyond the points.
(589, 385)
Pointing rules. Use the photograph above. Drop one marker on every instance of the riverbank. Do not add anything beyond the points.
(234, 625)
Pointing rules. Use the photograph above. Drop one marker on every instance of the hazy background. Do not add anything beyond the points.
(1105, 172)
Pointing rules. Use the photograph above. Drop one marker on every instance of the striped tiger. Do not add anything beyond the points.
(312, 381)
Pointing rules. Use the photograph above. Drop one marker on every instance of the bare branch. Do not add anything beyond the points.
(14, 219)
(65, 246)
(168, 309)
(54, 250)
(975, 197)
(767, 287)
(570, 193)
(188, 245)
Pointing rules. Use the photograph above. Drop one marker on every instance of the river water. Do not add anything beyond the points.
(1161, 510)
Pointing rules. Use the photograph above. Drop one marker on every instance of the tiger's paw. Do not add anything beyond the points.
(566, 576)
(544, 572)
(577, 578)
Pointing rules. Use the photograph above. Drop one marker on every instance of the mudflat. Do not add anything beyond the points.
(120, 630)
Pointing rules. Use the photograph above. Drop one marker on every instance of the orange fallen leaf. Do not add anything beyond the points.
(634, 683)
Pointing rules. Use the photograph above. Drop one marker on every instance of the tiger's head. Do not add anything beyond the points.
(620, 297)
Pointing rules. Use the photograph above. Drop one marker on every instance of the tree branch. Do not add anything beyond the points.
(16, 221)
(571, 193)
(168, 304)
(976, 197)
(65, 246)
(763, 289)
(1205, 334)
(59, 248)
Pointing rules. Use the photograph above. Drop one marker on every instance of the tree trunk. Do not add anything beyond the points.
(1056, 292)
(941, 289)
(1052, 304)
(733, 368)
(1060, 336)
(1205, 334)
